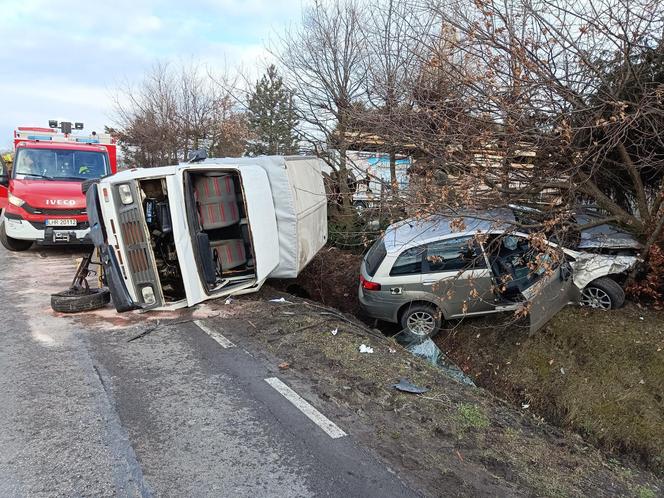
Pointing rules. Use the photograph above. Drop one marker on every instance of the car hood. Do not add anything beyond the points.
(605, 236)
(51, 194)
(588, 267)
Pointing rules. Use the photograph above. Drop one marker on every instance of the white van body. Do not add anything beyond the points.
(160, 261)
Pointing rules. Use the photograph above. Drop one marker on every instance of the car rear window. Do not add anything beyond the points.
(375, 257)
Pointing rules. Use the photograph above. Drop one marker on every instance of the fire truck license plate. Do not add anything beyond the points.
(61, 223)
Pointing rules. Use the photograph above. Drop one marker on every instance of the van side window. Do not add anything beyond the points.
(454, 255)
(409, 262)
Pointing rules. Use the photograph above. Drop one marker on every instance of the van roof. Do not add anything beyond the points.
(416, 231)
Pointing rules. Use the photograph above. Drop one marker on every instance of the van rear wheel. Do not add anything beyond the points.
(13, 244)
(421, 319)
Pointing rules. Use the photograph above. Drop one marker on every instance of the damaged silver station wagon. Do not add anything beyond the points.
(423, 272)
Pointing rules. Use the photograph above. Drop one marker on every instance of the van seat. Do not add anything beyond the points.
(228, 253)
(217, 203)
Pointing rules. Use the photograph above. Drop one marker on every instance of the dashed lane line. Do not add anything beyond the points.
(223, 341)
(312, 414)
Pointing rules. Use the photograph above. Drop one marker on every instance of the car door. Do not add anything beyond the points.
(551, 293)
(455, 271)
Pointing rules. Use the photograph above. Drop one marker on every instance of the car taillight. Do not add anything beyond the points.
(368, 285)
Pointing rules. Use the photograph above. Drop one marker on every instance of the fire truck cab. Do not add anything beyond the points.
(41, 195)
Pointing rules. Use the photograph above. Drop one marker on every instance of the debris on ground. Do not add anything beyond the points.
(454, 437)
(406, 386)
(280, 300)
(366, 349)
(424, 347)
(284, 365)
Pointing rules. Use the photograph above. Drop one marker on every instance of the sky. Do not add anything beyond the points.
(65, 60)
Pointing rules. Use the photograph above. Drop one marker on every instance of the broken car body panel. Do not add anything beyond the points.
(179, 235)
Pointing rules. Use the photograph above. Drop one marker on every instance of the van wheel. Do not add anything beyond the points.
(77, 300)
(603, 293)
(13, 244)
(421, 319)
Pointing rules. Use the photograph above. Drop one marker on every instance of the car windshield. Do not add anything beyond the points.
(55, 164)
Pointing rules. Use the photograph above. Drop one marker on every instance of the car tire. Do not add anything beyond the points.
(422, 320)
(77, 300)
(603, 293)
(11, 244)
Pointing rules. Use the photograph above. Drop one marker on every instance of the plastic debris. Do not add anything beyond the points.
(425, 348)
(280, 300)
(335, 331)
(228, 300)
(284, 365)
(562, 371)
(391, 350)
(366, 349)
(408, 387)
(525, 405)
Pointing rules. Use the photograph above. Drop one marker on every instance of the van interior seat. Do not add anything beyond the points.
(229, 253)
(217, 202)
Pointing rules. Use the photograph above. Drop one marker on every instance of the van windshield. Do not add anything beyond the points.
(56, 164)
(375, 257)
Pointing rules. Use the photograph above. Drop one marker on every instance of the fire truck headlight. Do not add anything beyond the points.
(16, 201)
(125, 194)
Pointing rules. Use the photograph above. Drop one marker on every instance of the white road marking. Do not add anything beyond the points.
(225, 343)
(314, 415)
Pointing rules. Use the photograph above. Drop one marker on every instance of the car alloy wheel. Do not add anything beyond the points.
(595, 297)
(421, 323)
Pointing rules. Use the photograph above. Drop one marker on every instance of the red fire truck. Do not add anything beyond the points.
(41, 195)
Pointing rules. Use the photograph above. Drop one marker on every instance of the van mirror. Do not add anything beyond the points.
(4, 179)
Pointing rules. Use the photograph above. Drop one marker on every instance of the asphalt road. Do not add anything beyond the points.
(84, 412)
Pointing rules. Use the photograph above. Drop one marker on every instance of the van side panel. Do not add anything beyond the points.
(310, 201)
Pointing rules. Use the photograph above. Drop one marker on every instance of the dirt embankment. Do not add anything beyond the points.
(453, 440)
(599, 374)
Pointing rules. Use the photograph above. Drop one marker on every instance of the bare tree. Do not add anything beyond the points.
(175, 110)
(322, 61)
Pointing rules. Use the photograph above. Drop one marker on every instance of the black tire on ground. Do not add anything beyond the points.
(608, 287)
(13, 244)
(75, 301)
(421, 320)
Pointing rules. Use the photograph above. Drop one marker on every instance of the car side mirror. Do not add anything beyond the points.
(4, 179)
(196, 156)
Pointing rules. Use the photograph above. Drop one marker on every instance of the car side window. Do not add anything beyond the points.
(409, 261)
(454, 255)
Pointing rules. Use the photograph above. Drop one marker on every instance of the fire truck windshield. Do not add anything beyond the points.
(56, 164)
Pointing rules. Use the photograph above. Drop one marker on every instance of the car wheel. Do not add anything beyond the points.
(77, 300)
(603, 293)
(13, 244)
(421, 320)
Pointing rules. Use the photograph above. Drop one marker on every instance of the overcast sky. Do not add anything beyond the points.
(63, 60)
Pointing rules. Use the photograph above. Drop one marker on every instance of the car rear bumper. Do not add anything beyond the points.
(19, 228)
(375, 307)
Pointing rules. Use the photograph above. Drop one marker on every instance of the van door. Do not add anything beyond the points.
(262, 220)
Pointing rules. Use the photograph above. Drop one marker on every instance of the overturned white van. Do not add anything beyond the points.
(175, 236)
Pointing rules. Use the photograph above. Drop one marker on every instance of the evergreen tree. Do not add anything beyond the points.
(271, 117)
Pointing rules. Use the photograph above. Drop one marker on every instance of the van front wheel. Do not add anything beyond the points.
(13, 244)
(422, 320)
